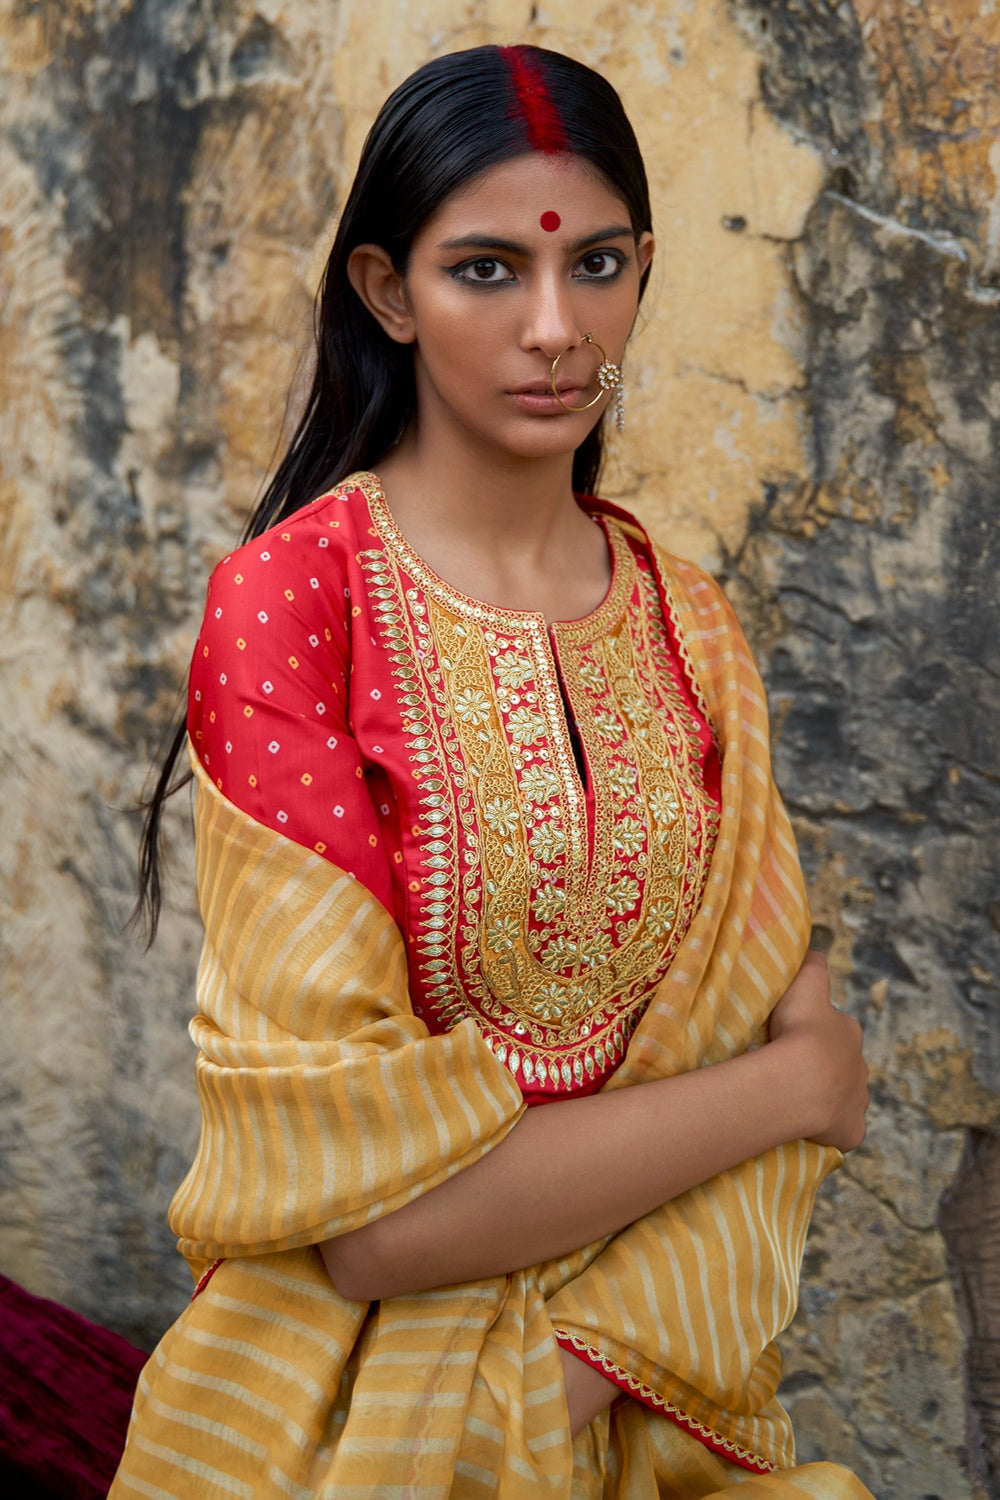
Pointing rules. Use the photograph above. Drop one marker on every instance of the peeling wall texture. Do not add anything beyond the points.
(814, 414)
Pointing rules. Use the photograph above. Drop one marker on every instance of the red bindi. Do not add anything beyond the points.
(550, 220)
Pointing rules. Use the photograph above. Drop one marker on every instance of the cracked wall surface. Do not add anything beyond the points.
(814, 398)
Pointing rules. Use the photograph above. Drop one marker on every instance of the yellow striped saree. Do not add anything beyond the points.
(326, 1104)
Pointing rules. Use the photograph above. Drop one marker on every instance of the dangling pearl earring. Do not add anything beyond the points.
(620, 402)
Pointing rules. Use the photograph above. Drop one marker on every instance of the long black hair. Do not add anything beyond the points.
(448, 122)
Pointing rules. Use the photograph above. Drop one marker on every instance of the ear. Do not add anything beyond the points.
(645, 245)
(381, 289)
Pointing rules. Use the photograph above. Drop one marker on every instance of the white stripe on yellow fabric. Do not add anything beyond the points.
(207, 1473)
(245, 1350)
(129, 1481)
(231, 1388)
(218, 1430)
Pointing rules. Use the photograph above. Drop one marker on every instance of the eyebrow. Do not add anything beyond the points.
(513, 247)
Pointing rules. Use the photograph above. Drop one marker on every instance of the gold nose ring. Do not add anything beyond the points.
(609, 376)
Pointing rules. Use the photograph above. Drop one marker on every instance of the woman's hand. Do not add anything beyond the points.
(822, 1046)
(587, 1391)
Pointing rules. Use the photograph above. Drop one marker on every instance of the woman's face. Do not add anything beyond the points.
(509, 273)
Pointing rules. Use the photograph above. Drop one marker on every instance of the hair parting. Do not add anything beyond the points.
(535, 104)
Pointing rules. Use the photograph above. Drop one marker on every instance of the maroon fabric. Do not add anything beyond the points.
(66, 1389)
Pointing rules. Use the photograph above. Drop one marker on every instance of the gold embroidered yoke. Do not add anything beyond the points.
(558, 878)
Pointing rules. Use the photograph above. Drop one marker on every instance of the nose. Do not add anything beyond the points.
(550, 324)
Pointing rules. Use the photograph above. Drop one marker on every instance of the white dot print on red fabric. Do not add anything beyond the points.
(321, 708)
(378, 750)
(314, 640)
(282, 817)
(338, 811)
(384, 809)
(324, 541)
(262, 616)
(314, 583)
(229, 747)
(274, 747)
(223, 678)
(375, 694)
(331, 743)
(197, 695)
(265, 557)
(218, 613)
(267, 687)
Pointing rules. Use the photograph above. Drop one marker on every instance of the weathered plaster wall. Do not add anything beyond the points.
(813, 407)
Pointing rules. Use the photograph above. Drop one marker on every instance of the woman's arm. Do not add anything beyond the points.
(570, 1172)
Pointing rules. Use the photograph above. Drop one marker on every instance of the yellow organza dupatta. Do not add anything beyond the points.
(326, 1103)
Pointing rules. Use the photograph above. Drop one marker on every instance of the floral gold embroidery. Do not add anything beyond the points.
(548, 927)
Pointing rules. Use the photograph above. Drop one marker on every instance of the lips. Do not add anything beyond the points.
(543, 388)
(535, 397)
(565, 388)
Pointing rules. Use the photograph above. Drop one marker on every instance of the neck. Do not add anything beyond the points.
(496, 499)
(500, 528)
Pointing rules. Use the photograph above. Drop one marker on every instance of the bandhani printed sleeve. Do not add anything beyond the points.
(268, 700)
(718, 1266)
(325, 1103)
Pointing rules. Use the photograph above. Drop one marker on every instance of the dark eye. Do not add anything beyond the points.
(600, 265)
(485, 270)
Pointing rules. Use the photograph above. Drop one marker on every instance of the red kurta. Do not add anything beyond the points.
(536, 805)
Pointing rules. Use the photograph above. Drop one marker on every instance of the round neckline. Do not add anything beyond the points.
(479, 609)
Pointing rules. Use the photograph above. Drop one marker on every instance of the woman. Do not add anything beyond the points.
(485, 822)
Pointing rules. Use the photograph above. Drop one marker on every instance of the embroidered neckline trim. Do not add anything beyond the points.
(603, 614)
